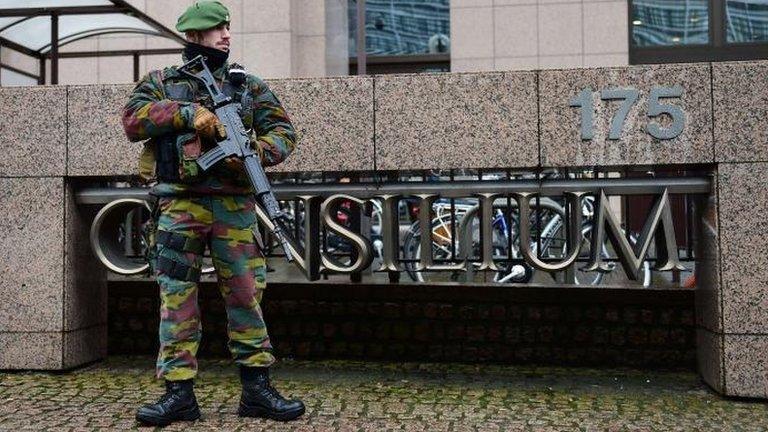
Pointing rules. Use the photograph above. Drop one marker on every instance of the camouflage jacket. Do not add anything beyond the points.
(163, 104)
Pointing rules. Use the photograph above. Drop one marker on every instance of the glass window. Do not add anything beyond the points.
(10, 4)
(402, 27)
(35, 32)
(9, 78)
(746, 21)
(670, 22)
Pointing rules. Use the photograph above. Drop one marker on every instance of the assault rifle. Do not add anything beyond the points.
(237, 143)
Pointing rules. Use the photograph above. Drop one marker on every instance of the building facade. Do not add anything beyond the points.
(538, 34)
(316, 38)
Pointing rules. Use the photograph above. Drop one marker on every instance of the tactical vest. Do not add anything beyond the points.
(172, 158)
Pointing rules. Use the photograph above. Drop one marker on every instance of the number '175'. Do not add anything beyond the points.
(629, 96)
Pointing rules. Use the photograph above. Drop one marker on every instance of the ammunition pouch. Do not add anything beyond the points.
(167, 159)
(176, 158)
(189, 148)
(179, 243)
(176, 270)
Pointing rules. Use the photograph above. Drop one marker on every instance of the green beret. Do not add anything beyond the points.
(202, 15)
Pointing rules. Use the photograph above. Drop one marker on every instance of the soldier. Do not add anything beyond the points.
(213, 208)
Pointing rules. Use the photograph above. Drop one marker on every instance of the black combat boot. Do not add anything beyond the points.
(260, 399)
(178, 403)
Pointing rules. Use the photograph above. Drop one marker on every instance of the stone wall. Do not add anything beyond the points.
(54, 309)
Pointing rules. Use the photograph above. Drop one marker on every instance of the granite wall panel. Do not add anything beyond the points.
(744, 246)
(33, 151)
(709, 350)
(561, 139)
(740, 94)
(746, 365)
(97, 143)
(333, 118)
(22, 350)
(467, 120)
(31, 259)
(84, 345)
(707, 251)
(85, 279)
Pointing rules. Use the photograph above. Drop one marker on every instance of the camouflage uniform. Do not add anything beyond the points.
(213, 208)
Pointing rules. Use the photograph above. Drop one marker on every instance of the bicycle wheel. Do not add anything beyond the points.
(444, 248)
(442, 251)
(554, 246)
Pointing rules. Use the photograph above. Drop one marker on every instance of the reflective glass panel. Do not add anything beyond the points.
(747, 20)
(11, 4)
(402, 27)
(35, 33)
(670, 22)
(9, 78)
(9, 21)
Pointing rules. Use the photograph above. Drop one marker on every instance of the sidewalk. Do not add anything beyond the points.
(357, 396)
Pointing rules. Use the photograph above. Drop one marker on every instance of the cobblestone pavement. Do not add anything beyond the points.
(358, 396)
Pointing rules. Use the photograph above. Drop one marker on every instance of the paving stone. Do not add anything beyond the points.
(368, 396)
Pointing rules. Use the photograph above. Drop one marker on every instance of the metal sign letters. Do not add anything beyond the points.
(585, 102)
(319, 205)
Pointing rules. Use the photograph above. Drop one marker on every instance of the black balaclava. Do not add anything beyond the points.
(214, 58)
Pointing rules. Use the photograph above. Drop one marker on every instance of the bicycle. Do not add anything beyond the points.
(444, 245)
(505, 243)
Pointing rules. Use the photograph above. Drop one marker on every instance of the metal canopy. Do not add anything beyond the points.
(38, 28)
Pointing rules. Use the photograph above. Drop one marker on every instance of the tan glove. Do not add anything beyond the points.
(208, 125)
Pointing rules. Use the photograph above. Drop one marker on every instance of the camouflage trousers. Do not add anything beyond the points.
(185, 227)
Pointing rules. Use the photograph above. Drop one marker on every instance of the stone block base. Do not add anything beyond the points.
(52, 350)
(734, 365)
(39, 350)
